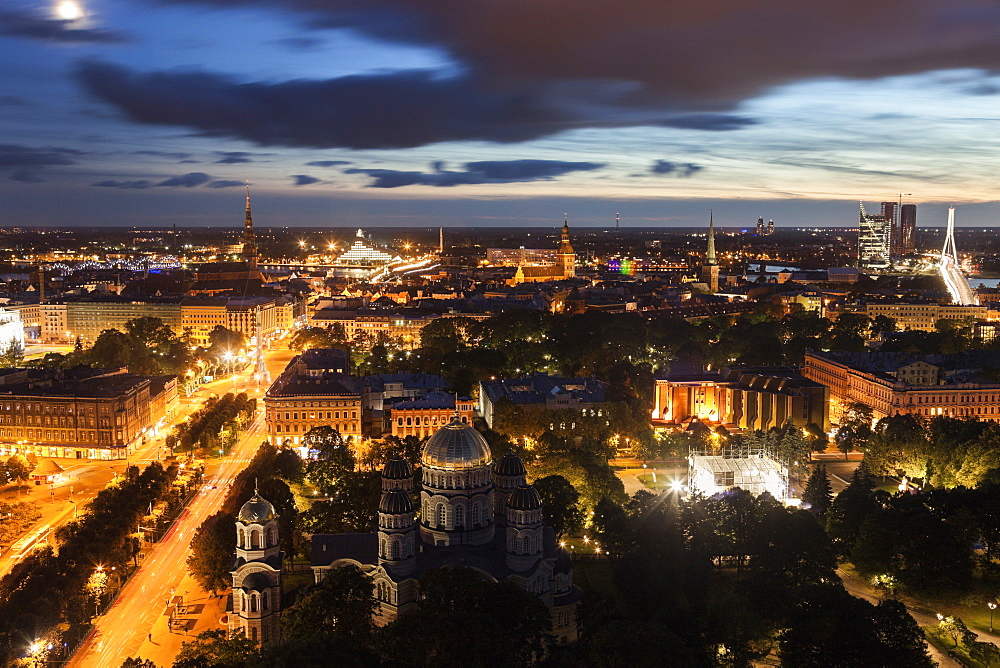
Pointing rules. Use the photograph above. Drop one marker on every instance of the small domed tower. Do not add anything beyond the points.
(397, 474)
(257, 573)
(396, 533)
(525, 531)
(508, 475)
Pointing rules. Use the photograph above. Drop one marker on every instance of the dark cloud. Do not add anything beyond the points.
(233, 157)
(189, 180)
(983, 89)
(125, 185)
(682, 169)
(485, 171)
(299, 43)
(349, 112)
(163, 154)
(712, 52)
(672, 63)
(15, 23)
(708, 121)
(27, 175)
(327, 163)
(304, 179)
(15, 155)
(26, 163)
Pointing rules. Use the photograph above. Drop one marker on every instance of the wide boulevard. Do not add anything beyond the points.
(118, 633)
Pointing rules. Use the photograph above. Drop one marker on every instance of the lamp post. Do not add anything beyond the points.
(993, 606)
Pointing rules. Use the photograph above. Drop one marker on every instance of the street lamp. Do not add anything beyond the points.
(993, 606)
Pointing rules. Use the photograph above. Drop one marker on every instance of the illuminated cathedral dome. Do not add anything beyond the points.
(257, 510)
(456, 446)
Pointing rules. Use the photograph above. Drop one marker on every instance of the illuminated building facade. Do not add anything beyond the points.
(563, 268)
(923, 316)
(98, 417)
(901, 383)
(423, 416)
(740, 399)
(314, 390)
(875, 237)
(362, 253)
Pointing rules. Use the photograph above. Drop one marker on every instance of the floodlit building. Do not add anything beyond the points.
(105, 416)
(363, 253)
(563, 268)
(923, 316)
(740, 399)
(709, 274)
(895, 383)
(314, 390)
(423, 416)
(11, 330)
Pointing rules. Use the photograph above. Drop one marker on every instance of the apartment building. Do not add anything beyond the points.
(900, 383)
(923, 316)
(311, 393)
(104, 417)
(423, 416)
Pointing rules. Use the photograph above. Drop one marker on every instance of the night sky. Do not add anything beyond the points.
(493, 112)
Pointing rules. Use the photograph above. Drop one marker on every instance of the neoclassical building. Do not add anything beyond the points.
(473, 513)
(256, 607)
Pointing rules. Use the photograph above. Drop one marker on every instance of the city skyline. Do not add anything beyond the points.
(368, 114)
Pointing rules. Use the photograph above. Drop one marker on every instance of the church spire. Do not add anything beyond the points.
(249, 242)
(710, 254)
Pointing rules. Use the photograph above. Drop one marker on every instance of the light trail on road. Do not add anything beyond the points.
(120, 632)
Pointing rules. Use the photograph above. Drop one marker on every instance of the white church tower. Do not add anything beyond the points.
(257, 573)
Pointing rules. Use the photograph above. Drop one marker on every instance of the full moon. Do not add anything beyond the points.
(69, 10)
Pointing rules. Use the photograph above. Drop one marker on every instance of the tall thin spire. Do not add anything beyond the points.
(710, 254)
(441, 241)
(249, 241)
(618, 221)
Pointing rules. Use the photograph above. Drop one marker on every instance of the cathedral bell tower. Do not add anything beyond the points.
(257, 573)
(249, 240)
(397, 529)
(710, 270)
(524, 528)
(566, 255)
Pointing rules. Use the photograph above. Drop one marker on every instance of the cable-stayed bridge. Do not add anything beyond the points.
(951, 268)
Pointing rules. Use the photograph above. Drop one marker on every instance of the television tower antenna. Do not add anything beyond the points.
(618, 221)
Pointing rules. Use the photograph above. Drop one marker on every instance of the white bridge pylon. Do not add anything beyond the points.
(951, 268)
